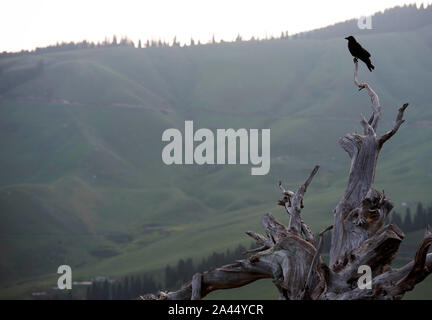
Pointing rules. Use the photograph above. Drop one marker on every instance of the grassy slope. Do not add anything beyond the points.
(75, 178)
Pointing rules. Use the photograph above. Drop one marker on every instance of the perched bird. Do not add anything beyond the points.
(359, 52)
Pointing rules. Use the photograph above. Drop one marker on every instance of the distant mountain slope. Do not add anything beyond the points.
(397, 19)
(81, 176)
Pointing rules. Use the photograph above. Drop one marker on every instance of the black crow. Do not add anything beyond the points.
(359, 52)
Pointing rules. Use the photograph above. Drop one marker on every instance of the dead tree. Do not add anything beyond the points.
(291, 255)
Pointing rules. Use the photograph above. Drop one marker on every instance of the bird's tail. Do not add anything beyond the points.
(370, 66)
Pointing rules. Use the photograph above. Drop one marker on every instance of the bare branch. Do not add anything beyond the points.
(307, 233)
(285, 191)
(300, 193)
(350, 143)
(378, 252)
(196, 286)
(229, 276)
(376, 107)
(295, 223)
(418, 271)
(293, 203)
(312, 269)
(255, 250)
(356, 82)
(261, 240)
(274, 230)
(367, 128)
(398, 123)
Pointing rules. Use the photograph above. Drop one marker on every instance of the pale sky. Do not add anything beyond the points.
(26, 24)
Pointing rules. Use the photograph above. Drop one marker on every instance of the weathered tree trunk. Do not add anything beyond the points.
(291, 257)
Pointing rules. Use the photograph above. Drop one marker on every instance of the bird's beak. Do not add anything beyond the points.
(346, 38)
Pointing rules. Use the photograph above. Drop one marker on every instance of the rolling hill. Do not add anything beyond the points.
(81, 176)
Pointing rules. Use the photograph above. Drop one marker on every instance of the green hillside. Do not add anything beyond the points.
(82, 181)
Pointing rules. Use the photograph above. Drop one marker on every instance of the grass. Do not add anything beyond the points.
(74, 173)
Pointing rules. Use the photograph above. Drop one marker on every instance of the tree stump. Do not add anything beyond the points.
(291, 255)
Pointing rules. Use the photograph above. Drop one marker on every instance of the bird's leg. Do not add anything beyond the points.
(355, 60)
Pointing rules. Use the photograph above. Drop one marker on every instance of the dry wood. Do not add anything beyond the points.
(290, 256)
